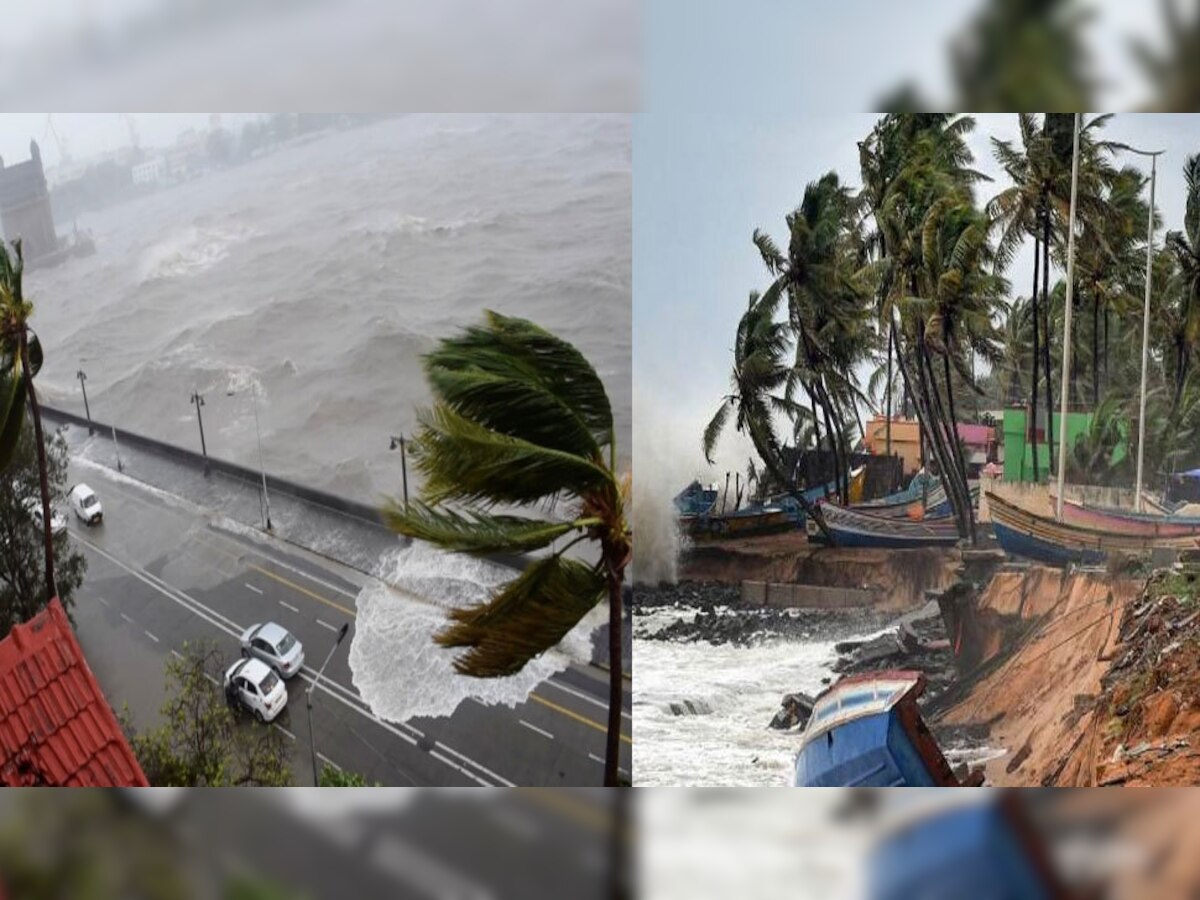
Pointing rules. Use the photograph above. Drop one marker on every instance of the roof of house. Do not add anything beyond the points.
(56, 727)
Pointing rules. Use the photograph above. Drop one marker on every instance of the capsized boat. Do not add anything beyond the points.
(1024, 533)
(867, 731)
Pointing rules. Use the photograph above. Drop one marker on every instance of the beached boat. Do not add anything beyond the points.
(742, 523)
(854, 528)
(695, 500)
(866, 731)
(1024, 533)
(1126, 521)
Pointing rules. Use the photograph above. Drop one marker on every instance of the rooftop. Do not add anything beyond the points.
(56, 727)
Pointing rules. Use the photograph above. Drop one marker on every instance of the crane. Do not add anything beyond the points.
(58, 141)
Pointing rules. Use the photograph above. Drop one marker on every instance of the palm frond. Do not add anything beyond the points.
(474, 532)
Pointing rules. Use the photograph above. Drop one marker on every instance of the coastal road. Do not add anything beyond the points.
(160, 575)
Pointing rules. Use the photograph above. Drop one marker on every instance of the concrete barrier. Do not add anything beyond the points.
(805, 596)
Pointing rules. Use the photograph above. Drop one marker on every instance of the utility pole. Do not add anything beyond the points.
(82, 378)
(198, 401)
(312, 740)
(398, 441)
(117, 447)
(1066, 345)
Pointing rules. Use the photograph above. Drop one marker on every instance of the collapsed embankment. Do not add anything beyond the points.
(899, 578)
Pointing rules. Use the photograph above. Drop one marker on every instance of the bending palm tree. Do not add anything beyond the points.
(519, 418)
(22, 358)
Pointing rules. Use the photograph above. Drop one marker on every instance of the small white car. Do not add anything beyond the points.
(253, 684)
(58, 522)
(274, 645)
(86, 504)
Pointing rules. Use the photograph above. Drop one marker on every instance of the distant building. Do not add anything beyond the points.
(25, 206)
(979, 442)
(152, 171)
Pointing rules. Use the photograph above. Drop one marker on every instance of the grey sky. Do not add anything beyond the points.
(702, 183)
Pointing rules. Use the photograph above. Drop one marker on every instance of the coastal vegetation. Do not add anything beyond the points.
(893, 297)
(521, 420)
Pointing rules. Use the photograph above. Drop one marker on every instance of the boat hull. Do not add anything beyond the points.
(1129, 522)
(852, 528)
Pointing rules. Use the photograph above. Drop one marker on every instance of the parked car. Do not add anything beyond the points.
(58, 522)
(274, 645)
(86, 504)
(253, 684)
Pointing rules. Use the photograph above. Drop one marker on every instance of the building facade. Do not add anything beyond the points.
(25, 206)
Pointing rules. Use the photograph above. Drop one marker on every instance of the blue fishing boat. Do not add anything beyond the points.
(854, 528)
(866, 731)
(695, 500)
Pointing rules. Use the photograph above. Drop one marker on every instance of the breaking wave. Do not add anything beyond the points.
(395, 665)
(188, 251)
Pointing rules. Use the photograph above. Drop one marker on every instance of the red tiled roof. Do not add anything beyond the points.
(55, 725)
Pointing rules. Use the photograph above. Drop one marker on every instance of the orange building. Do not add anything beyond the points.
(979, 440)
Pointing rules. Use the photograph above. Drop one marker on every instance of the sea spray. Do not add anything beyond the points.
(396, 666)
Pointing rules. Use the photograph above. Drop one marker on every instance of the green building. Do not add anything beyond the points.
(1018, 452)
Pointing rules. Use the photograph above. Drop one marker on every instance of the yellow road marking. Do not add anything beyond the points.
(597, 816)
(591, 723)
(303, 590)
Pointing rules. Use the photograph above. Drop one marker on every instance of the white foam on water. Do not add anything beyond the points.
(743, 686)
(396, 666)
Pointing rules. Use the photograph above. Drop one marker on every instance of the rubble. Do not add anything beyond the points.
(794, 712)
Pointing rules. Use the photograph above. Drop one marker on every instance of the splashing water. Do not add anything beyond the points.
(396, 666)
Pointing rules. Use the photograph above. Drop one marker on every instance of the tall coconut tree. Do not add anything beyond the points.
(521, 418)
(1184, 246)
(22, 354)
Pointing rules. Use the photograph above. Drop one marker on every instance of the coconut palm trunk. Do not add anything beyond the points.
(43, 472)
(1033, 386)
(1046, 342)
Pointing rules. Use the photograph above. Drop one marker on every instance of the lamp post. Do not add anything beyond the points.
(398, 441)
(1153, 154)
(117, 447)
(82, 376)
(312, 741)
(1066, 360)
(261, 466)
(198, 401)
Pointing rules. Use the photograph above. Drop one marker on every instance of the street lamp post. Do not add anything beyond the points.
(398, 441)
(1153, 154)
(87, 410)
(198, 401)
(117, 447)
(312, 740)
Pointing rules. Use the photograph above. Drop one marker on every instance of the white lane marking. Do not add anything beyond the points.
(149, 635)
(212, 679)
(176, 654)
(331, 688)
(540, 731)
(289, 606)
(325, 759)
(582, 696)
(326, 625)
(126, 618)
(593, 756)
(284, 730)
(252, 588)
(102, 600)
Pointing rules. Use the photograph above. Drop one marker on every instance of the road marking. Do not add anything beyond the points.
(252, 588)
(329, 762)
(126, 618)
(331, 688)
(591, 723)
(598, 759)
(582, 696)
(327, 625)
(152, 637)
(102, 600)
(298, 588)
(289, 606)
(176, 654)
(284, 730)
(540, 731)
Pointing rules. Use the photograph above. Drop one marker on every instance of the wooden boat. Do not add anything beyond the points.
(866, 731)
(1126, 521)
(854, 528)
(742, 523)
(1024, 533)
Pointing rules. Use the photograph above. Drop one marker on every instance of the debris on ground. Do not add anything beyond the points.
(794, 712)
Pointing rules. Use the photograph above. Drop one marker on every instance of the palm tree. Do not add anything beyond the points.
(15, 312)
(520, 417)
(1184, 246)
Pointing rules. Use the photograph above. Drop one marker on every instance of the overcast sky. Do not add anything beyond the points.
(702, 183)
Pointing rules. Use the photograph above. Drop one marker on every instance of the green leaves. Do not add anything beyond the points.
(524, 618)
(474, 532)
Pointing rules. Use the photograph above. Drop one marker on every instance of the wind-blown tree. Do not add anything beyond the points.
(26, 361)
(820, 279)
(1184, 246)
(519, 418)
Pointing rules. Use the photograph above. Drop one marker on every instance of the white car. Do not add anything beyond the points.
(86, 504)
(274, 645)
(58, 522)
(254, 685)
